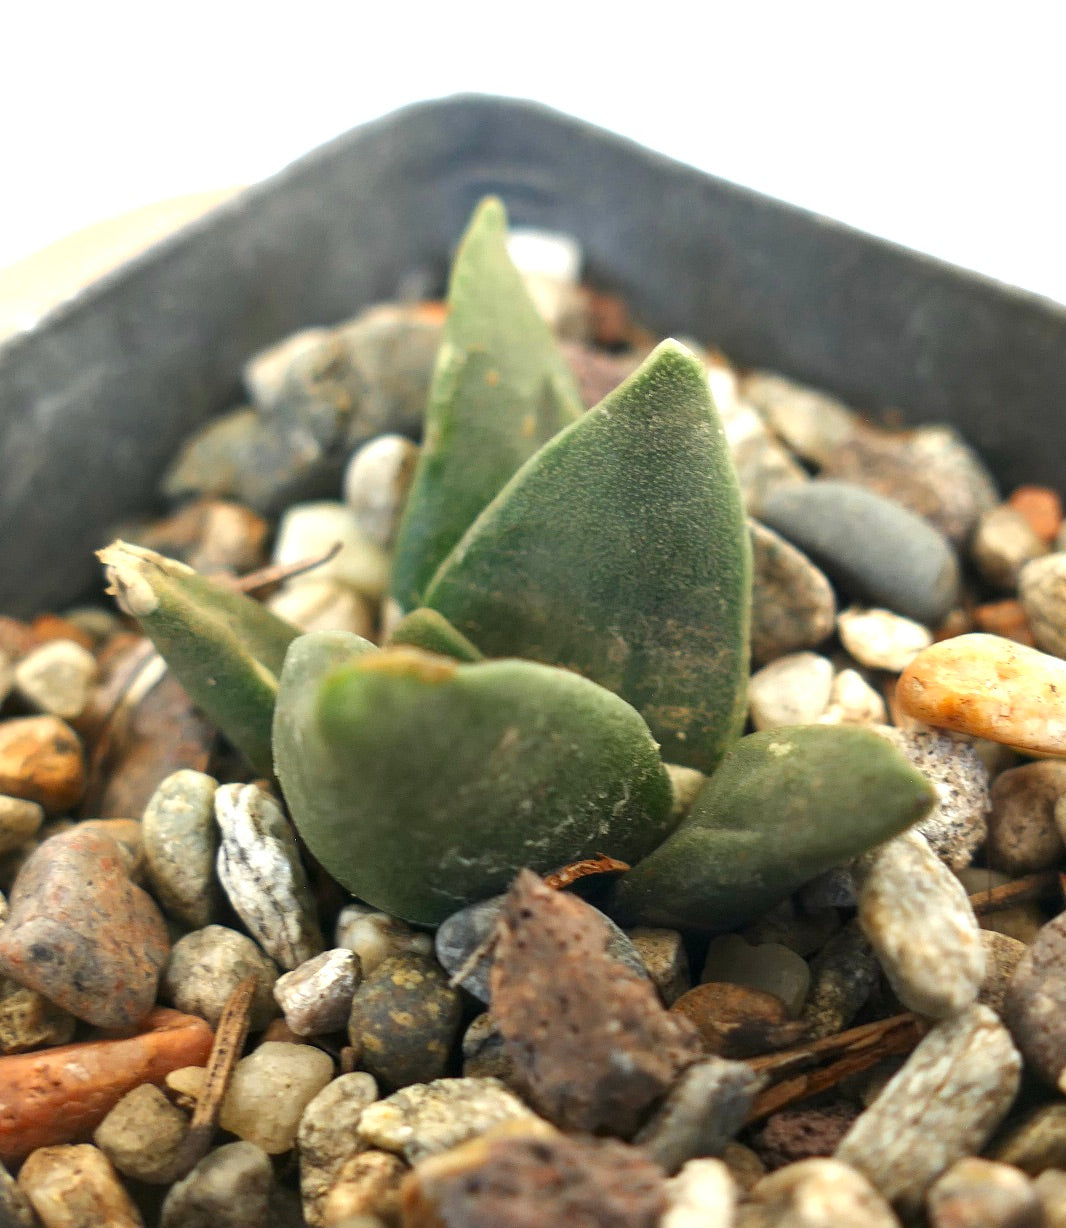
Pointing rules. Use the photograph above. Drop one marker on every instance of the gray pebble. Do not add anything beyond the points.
(28, 1020)
(461, 934)
(918, 919)
(769, 967)
(326, 1137)
(207, 965)
(375, 936)
(817, 1193)
(662, 952)
(20, 821)
(843, 975)
(142, 1135)
(428, 1118)
(57, 678)
(1035, 1006)
(1022, 833)
(1002, 544)
(878, 551)
(316, 998)
(416, 990)
(702, 1195)
(1042, 592)
(484, 1053)
(701, 1113)
(15, 1208)
(229, 1188)
(978, 1193)
(269, 1091)
(180, 846)
(793, 605)
(260, 870)
(793, 690)
(944, 1103)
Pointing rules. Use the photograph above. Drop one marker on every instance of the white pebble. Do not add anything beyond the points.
(308, 530)
(375, 936)
(376, 483)
(852, 701)
(57, 678)
(793, 690)
(880, 639)
(324, 605)
(316, 998)
(702, 1194)
(269, 1091)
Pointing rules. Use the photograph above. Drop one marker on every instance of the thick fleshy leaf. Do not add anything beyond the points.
(500, 389)
(621, 551)
(422, 785)
(224, 648)
(783, 807)
(432, 632)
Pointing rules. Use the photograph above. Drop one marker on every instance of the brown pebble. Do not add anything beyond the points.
(41, 760)
(82, 934)
(978, 1193)
(1002, 956)
(736, 1020)
(1041, 507)
(1006, 618)
(1022, 833)
(528, 1182)
(76, 1187)
(61, 1095)
(1035, 1006)
(29, 1021)
(47, 627)
(591, 1043)
(1036, 1142)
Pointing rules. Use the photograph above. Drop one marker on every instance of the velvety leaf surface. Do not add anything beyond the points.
(432, 632)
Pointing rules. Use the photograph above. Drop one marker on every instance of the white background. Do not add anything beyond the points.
(937, 125)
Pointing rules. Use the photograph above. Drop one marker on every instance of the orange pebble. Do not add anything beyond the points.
(61, 1095)
(1041, 507)
(1006, 618)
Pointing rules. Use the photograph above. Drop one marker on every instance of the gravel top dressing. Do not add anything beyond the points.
(538, 774)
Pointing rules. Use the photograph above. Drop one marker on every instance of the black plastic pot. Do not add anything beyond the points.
(94, 401)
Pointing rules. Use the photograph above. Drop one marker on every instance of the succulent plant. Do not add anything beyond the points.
(576, 598)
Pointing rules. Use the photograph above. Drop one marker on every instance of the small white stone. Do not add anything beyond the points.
(793, 690)
(376, 483)
(324, 605)
(57, 678)
(375, 936)
(1003, 542)
(702, 1195)
(880, 639)
(686, 782)
(308, 530)
(270, 1090)
(852, 701)
(550, 264)
(316, 998)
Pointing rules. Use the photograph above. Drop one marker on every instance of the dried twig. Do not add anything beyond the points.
(1043, 885)
(278, 573)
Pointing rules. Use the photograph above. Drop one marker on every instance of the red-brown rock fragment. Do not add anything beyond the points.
(591, 1044)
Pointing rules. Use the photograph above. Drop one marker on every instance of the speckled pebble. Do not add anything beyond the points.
(229, 1188)
(817, 1193)
(978, 1193)
(853, 701)
(843, 975)
(180, 846)
(316, 998)
(662, 952)
(793, 605)
(1002, 544)
(56, 678)
(142, 1135)
(880, 639)
(269, 1091)
(76, 1187)
(376, 482)
(1023, 835)
(793, 690)
(1035, 1007)
(19, 822)
(327, 1137)
(375, 936)
(702, 1195)
(770, 967)
(207, 965)
(918, 919)
(415, 989)
(28, 1020)
(425, 1119)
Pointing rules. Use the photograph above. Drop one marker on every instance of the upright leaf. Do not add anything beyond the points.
(500, 389)
(620, 551)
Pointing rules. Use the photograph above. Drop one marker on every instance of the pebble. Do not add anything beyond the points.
(260, 871)
(484, 1055)
(19, 822)
(735, 1020)
(375, 936)
(762, 464)
(943, 1104)
(461, 934)
(686, 783)
(793, 605)
(41, 760)
(793, 690)
(1035, 1006)
(324, 605)
(82, 934)
(1042, 592)
(662, 952)
(415, 989)
(1050, 1189)
(367, 1187)
(1022, 922)
(769, 966)
(1002, 957)
(76, 1187)
(702, 1195)
(701, 1113)
(1042, 507)
(28, 1020)
(1006, 618)
(15, 1208)
(207, 965)
(526, 1180)
(1023, 836)
(326, 1136)
(978, 1193)
(1002, 544)
(211, 536)
(316, 998)
(229, 1188)
(852, 701)
(56, 678)
(744, 1165)
(877, 550)
(550, 265)
(55, 1095)
(142, 1135)
(880, 639)
(992, 688)
(180, 847)
(801, 930)
(928, 470)
(843, 975)
(812, 423)
(1035, 1143)
(958, 822)
(426, 1119)
(269, 1091)
(376, 482)
(790, 1135)
(309, 530)
(918, 919)
(817, 1193)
